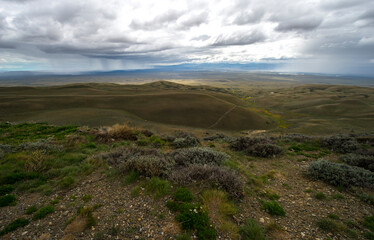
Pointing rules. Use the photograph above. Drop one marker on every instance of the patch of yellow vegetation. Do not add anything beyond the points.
(221, 211)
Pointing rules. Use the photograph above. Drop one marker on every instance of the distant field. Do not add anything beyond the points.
(107, 104)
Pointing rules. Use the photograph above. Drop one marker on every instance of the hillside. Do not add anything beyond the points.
(67, 182)
(106, 104)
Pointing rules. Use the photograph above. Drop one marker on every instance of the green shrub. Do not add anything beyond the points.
(5, 189)
(132, 177)
(222, 177)
(368, 198)
(337, 196)
(369, 235)
(341, 174)
(197, 220)
(273, 208)
(333, 216)
(183, 195)
(369, 222)
(31, 210)
(67, 182)
(18, 223)
(43, 212)
(363, 161)
(197, 155)
(7, 200)
(328, 225)
(252, 231)
(158, 187)
(320, 196)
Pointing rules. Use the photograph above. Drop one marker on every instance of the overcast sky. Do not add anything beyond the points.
(325, 36)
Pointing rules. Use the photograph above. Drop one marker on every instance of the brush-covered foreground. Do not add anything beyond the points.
(120, 182)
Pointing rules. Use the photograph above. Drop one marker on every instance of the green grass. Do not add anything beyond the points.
(157, 187)
(87, 198)
(320, 196)
(18, 223)
(251, 230)
(25, 132)
(131, 177)
(31, 209)
(183, 195)
(43, 212)
(273, 208)
(5, 189)
(7, 200)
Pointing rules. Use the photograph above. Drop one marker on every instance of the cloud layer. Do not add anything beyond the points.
(334, 36)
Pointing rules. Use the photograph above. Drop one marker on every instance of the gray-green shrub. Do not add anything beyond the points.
(223, 178)
(147, 165)
(340, 143)
(341, 174)
(197, 155)
(264, 150)
(188, 141)
(364, 161)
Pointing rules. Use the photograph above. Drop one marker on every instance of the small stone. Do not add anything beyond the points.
(24, 233)
(302, 234)
(262, 220)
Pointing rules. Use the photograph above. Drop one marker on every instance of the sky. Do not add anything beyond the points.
(317, 36)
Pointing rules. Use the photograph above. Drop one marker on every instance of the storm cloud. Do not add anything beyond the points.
(332, 36)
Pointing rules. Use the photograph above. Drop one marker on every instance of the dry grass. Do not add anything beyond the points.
(220, 211)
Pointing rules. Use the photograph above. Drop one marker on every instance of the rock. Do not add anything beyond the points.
(302, 234)
(262, 220)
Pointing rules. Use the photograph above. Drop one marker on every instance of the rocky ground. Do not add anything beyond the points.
(121, 215)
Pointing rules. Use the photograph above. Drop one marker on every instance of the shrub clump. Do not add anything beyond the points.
(7, 200)
(45, 145)
(340, 143)
(18, 223)
(198, 155)
(147, 165)
(183, 195)
(243, 143)
(188, 141)
(5, 189)
(363, 161)
(191, 215)
(148, 162)
(157, 187)
(264, 150)
(339, 174)
(256, 146)
(223, 178)
(273, 208)
(252, 231)
(43, 212)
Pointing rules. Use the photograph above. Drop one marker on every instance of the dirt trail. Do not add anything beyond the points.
(221, 117)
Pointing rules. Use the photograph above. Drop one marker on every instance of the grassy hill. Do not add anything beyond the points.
(107, 104)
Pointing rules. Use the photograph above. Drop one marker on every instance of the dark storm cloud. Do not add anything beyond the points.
(239, 38)
(172, 31)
